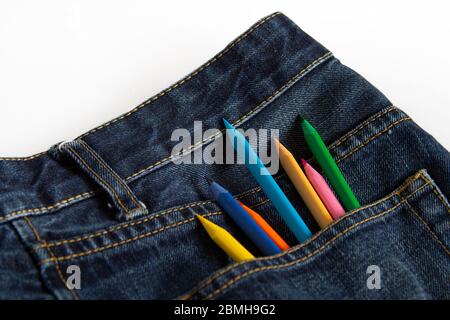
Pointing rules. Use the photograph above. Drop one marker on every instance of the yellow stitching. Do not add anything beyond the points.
(248, 114)
(105, 232)
(44, 209)
(91, 193)
(126, 188)
(253, 191)
(127, 179)
(365, 124)
(291, 263)
(261, 203)
(435, 237)
(335, 144)
(406, 184)
(373, 138)
(249, 192)
(61, 276)
(100, 178)
(190, 76)
(356, 130)
(156, 97)
(216, 213)
(58, 269)
(321, 248)
(438, 194)
(147, 234)
(46, 244)
(133, 175)
(23, 158)
(119, 227)
(33, 229)
(126, 241)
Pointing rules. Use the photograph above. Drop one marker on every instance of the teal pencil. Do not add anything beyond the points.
(268, 184)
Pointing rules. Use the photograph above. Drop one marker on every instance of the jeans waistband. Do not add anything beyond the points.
(235, 84)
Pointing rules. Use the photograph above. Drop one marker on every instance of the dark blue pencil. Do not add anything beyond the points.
(243, 220)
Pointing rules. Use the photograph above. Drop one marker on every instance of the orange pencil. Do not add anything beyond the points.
(273, 235)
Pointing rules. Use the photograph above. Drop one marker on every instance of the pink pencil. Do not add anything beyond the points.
(323, 190)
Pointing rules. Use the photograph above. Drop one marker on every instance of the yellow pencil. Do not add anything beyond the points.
(303, 186)
(226, 241)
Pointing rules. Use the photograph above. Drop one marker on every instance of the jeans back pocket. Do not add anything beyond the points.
(396, 247)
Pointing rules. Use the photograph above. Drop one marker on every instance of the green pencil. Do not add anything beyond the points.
(329, 166)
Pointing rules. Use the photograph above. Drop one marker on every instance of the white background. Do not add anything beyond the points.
(68, 66)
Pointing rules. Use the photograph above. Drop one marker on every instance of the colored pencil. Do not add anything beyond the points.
(226, 241)
(266, 227)
(329, 166)
(303, 186)
(279, 200)
(243, 220)
(324, 191)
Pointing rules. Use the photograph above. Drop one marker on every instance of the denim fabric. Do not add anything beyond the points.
(95, 167)
(54, 215)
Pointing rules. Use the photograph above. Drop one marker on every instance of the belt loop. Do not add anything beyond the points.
(96, 168)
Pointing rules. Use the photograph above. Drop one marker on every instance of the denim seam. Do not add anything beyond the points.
(427, 227)
(128, 225)
(315, 236)
(153, 232)
(366, 123)
(346, 155)
(254, 191)
(439, 195)
(138, 237)
(57, 205)
(108, 186)
(56, 264)
(92, 193)
(366, 142)
(126, 241)
(190, 76)
(23, 158)
(120, 227)
(107, 168)
(241, 119)
(141, 172)
(166, 91)
(308, 256)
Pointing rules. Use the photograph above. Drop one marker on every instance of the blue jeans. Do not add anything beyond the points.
(113, 209)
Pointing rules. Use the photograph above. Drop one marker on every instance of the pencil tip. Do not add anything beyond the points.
(200, 218)
(281, 149)
(304, 162)
(210, 181)
(227, 124)
(301, 119)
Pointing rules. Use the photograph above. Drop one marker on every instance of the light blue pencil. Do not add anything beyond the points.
(268, 184)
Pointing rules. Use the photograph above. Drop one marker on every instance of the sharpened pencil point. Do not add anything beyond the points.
(304, 162)
(301, 119)
(210, 181)
(202, 219)
(227, 124)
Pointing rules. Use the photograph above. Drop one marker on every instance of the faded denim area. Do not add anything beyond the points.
(53, 214)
